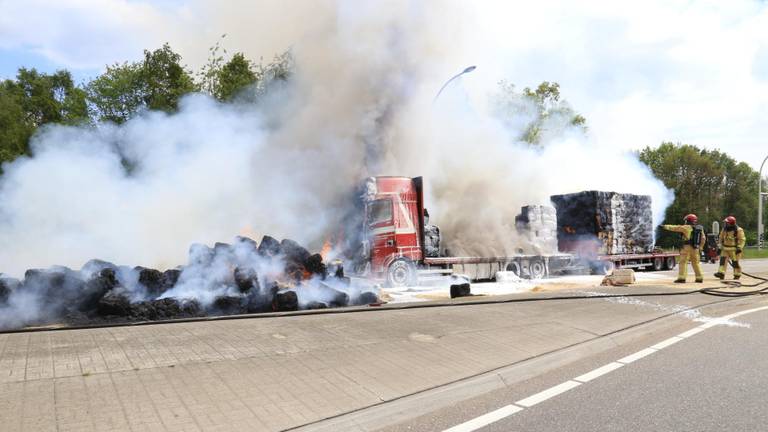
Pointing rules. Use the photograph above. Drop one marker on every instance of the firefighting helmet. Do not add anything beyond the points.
(691, 219)
(730, 220)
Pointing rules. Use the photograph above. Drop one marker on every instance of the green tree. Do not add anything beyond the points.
(708, 183)
(164, 79)
(536, 112)
(117, 94)
(240, 78)
(156, 83)
(234, 76)
(32, 100)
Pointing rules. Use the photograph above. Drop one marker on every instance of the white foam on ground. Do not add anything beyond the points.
(694, 315)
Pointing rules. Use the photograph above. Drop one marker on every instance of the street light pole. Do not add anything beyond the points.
(465, 71)
(760, 227)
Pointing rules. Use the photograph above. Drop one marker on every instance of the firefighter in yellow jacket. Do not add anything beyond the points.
(693, 241)
(731, 244)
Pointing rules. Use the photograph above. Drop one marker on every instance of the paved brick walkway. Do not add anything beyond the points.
(277, 373)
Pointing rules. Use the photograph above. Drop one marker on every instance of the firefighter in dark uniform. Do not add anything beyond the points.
(693, 242)
(731, 244)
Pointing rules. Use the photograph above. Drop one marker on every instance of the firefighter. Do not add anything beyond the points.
(730, 246)
(693, 241)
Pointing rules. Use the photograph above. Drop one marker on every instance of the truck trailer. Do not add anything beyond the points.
(400, 246)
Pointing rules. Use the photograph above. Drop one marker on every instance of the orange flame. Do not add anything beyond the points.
(247, 231)
(327, 248)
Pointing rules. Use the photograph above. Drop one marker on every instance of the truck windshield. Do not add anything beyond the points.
(379, 211)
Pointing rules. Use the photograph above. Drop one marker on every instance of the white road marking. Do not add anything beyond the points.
(547, 394)
(690, 332)
(486, 419)
(589, 376)
(506, 411)
(666, 343)
(636, 356)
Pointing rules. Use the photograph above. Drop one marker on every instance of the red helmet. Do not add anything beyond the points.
(691, 218)
(730, 220)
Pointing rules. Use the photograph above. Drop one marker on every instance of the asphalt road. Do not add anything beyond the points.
(712, 379)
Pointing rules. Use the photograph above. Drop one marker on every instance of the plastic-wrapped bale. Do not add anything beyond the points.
(432, 240)
(596, 222)
(538, 224)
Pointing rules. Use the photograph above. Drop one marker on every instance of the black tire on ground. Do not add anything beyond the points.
(401, 272)
(537, 269)
(669, 263)
(514, 267)
(658, 264)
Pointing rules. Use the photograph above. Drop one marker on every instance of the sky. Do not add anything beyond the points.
(641, 72)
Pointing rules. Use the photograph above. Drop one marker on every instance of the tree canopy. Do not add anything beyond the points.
(32, 100)
(156, 83)
(536, 112)
(709, 183)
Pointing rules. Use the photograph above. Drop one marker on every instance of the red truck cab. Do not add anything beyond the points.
(394, 222)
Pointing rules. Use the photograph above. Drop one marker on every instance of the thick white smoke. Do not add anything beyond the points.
(360, 104)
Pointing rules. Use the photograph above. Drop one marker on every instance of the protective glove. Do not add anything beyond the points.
(738, 250)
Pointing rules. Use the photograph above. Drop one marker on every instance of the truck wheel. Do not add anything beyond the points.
(536, 269)
(669, 263)
(514, 267)
(658, 263)
(401, 273)
(602, 267)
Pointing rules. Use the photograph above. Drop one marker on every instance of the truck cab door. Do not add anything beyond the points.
(381, 228)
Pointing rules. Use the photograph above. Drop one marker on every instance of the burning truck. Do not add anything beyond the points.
(594, 231)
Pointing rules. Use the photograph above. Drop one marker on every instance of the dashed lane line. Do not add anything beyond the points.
(508, 410)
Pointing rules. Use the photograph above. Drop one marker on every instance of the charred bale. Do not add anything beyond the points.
(94, 266)
(191, 308)
(257, 302)
(227, 305)
(246, 279)
(167, 308)
(269, 247)
(460, 290)
(153, 280)
(315, 265)
(220, 247)
(58, 287)
(247, 241)
(114, 303)
(98, 286)
(294, 271)
(316, 305)
(170, 277)
(7, 287)
(285, 301)
(294, 251)
(367, 297)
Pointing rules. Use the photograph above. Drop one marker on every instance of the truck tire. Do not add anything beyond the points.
(658, 264)
(401, 273)
(537, 269)
(669, 263)
(602, 267)
(514, 267)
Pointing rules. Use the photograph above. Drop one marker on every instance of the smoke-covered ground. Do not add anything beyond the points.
(360, 104)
